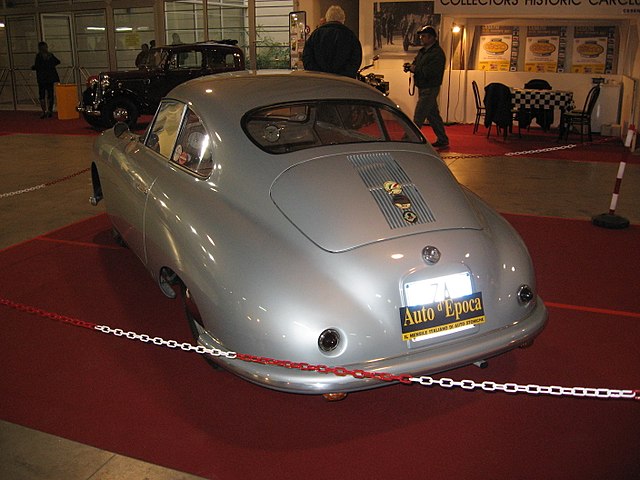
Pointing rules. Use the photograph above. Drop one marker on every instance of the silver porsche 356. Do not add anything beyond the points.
(304, 217)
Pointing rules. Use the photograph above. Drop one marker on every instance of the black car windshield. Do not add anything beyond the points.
(296, 126)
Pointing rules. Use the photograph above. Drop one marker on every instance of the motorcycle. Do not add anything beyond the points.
(373, 79)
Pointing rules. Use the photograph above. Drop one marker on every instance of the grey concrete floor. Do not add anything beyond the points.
(27, 454)
(526, 185)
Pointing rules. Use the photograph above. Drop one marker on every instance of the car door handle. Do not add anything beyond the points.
(141, 188)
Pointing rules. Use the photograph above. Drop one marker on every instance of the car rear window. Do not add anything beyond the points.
(295, 126)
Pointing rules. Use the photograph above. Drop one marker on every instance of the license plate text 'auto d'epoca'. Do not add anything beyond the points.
(446, 315)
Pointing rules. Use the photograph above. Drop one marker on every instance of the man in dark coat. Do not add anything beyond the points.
(46, 75)
(332, 47)
(428, 71)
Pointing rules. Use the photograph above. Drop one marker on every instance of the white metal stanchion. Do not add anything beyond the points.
(610, 219)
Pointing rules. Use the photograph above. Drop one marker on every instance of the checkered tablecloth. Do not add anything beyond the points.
(542, 99)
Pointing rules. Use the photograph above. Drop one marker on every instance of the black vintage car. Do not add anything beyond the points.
(125, 95)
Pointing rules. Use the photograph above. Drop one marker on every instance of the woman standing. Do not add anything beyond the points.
(47, 75)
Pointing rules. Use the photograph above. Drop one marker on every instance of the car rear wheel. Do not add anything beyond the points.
(121, 109)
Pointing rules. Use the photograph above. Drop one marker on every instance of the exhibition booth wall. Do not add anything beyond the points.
(619, 101)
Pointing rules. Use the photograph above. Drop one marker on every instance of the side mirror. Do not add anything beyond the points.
(120, 128)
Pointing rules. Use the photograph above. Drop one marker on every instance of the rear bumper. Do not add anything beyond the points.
(423, 362)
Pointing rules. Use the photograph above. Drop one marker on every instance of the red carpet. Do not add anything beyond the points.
(463, 141)
(169, 407)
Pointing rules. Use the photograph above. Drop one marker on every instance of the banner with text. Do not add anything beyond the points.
(593, 49)
(546, 49)
(498, 50)
(547, 8)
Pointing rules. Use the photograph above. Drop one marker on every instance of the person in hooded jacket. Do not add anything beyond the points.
(46, 75)
(333, 47)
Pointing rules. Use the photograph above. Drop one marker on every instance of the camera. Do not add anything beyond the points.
(406, 67)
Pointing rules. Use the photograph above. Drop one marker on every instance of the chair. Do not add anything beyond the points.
(498, 110)
(543, 117)
(537, 84)
(581, 118)
(480, 110)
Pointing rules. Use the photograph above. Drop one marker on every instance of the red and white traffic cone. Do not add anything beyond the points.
(611, 220)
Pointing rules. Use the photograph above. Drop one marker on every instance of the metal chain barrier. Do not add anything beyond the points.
(79, 172)
(187, 347)
(530, 388)
(20, 192)
(427, 381)
(43, 313)
(43, 185)
(530, 152)
(541, 150)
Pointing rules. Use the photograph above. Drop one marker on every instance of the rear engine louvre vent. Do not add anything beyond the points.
(376, 169)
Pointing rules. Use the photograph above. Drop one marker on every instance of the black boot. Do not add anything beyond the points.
(43, 106)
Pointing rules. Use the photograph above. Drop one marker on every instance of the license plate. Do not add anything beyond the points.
(440, 306)
(437, 289)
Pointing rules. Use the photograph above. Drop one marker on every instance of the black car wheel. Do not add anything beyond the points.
(121, 109)
(95, 122)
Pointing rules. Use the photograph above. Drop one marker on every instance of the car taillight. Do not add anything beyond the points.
(328, 340)
(525, 294)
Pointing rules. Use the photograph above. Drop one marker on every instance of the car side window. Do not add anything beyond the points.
(221, 60)
(165, 127)
(191, 59)
(186, 59)
(194, 147)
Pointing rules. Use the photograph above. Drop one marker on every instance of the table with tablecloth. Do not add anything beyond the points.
(541, 99)
(530, 100)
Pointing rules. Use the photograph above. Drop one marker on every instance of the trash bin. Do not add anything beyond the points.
(67, 100)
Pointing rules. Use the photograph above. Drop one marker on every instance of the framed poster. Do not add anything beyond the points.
(593, 49)
(545, 49)
(395, 25)
(498, 48)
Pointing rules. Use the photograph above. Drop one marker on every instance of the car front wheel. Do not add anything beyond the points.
(95, 122)
(121, 109)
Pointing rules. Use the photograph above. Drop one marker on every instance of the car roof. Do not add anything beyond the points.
(230, 95)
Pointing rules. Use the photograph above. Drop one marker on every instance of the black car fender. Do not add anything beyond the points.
(112, 94)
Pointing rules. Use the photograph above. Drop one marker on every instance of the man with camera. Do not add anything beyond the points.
(428, 71)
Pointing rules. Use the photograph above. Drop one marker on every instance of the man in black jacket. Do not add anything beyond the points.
(428, 70)
(332, 47)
